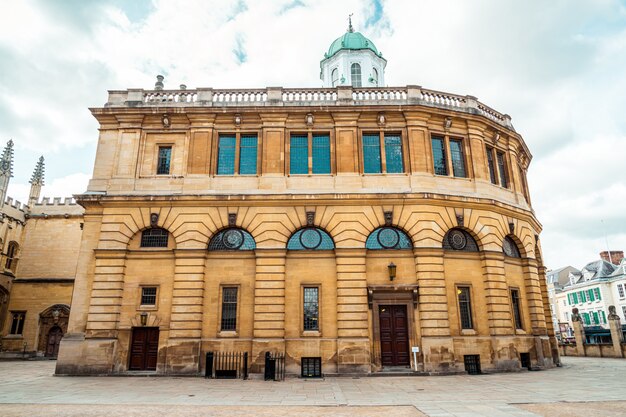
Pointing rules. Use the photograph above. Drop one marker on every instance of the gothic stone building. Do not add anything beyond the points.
(346, 224)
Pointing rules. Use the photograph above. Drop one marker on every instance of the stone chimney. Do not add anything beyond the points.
(615, 258)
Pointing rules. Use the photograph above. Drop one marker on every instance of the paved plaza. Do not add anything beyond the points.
(583, 386)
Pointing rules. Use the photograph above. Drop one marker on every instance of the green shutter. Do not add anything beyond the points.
(583, 296)
(599, 294)
(603, 317)
(586, 319)
(590, 295)
(575, 297)
(596, 319)
(569, 299)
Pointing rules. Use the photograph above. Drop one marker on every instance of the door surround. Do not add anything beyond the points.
(378, 295)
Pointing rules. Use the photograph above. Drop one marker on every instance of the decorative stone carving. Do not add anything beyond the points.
(232, 219)
(381, 119)
(310, 218)
(237, 120)
(165, 120)
(575, 315)
(154, 219)
(447, 123)
(460, 220)
(309, 119)
(511, 227)
(388, 218)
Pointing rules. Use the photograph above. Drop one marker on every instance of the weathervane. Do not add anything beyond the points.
(350, 28)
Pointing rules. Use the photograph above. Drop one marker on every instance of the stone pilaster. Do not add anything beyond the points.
(106, 294)
(534, 297)
(497, 294)
(353, 346)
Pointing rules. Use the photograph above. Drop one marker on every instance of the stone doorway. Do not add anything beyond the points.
(54, 340)
(144, 349)
(394, 335)
(52, 326)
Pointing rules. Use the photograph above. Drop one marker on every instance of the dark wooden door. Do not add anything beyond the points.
(394, 335)
(144, 348)
(54, 339)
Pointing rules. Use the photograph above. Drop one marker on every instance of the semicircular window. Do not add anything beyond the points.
(388, 238)
(310, 238)
(232, 239)
(509, 247)
(154, 238)
(459, 239)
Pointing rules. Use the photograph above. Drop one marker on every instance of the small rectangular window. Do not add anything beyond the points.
(148, 296)
(321, 154)
(457, 157)
(517, 309)
(502, 168)
(492, 167)
(248, 155)
(229, 308)
(371, 154)
(299, 154)
(163, 163)
(393, 154)
(620, 290)
(311, 308)
(465, 307)
(226, 155)
(311, 367)
(440, 163)
(17, 322)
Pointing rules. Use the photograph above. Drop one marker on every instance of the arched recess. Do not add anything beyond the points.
(52, 326)
(388, 237)
(152, 238)
(13, 250)
(310, 238)
(460, 240)
(510, 247)
(232, 238)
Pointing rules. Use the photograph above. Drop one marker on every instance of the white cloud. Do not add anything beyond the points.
(556, 67)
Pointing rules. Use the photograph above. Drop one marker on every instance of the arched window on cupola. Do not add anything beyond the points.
(459, 239)
(388, 237)
(232, 239)
(310, 238)
(355, 75)
(334, 77)
(375, 77)
(509, 247)
(154, 238)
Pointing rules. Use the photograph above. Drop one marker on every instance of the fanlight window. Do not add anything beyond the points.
(232, 239)
(459, 239)
(154, 238)
(509, 247)
(388, 238)
(310, 238)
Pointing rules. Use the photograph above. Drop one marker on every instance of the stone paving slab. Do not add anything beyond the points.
(580, 409)
(580, 379)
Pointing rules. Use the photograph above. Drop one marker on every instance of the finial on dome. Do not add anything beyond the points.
(350, 28)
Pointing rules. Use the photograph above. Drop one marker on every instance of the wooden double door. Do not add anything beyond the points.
(394, 335)
(144, 349)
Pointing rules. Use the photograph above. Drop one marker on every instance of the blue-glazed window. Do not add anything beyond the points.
(248, 155)
(163, 163)
(502, 168)
(232, 239)
(226, 155)
(299, 154)
(371, 154)
(492, 167)
(459, 239)
(388, 237)
(310, 238)
(321, 154)
(439, 156)
(457, 158)
(393, 154)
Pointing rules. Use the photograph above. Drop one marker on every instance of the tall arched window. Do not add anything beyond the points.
(154, 238)
(232, 239)
(388, 237)
(11, 261)
(459, 239)
(355, 75)
(375, 75)
(334, 77)
(509, 247)
(310, 238)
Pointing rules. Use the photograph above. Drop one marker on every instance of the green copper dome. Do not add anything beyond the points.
(351, 40)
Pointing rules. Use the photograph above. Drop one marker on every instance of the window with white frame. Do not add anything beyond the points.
(620, 290)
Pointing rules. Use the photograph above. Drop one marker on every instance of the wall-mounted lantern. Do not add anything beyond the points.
(144, 318)
(392, 271)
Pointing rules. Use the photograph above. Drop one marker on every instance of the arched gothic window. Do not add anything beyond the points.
(355, 75)
(334, 77)
(388, 237)
(232, 239)
(11, 261)
(310, 238)
(459, 239)
(154, 238)
(509, 247)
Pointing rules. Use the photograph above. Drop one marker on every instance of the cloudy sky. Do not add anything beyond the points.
(558, 67)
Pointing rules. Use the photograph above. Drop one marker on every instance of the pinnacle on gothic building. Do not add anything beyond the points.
(38, 174)
(6, 161)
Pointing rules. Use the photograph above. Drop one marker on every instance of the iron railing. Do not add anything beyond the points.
(226, 365)
(274, 366)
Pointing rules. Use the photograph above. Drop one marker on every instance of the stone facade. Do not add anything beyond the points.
(194, 203)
